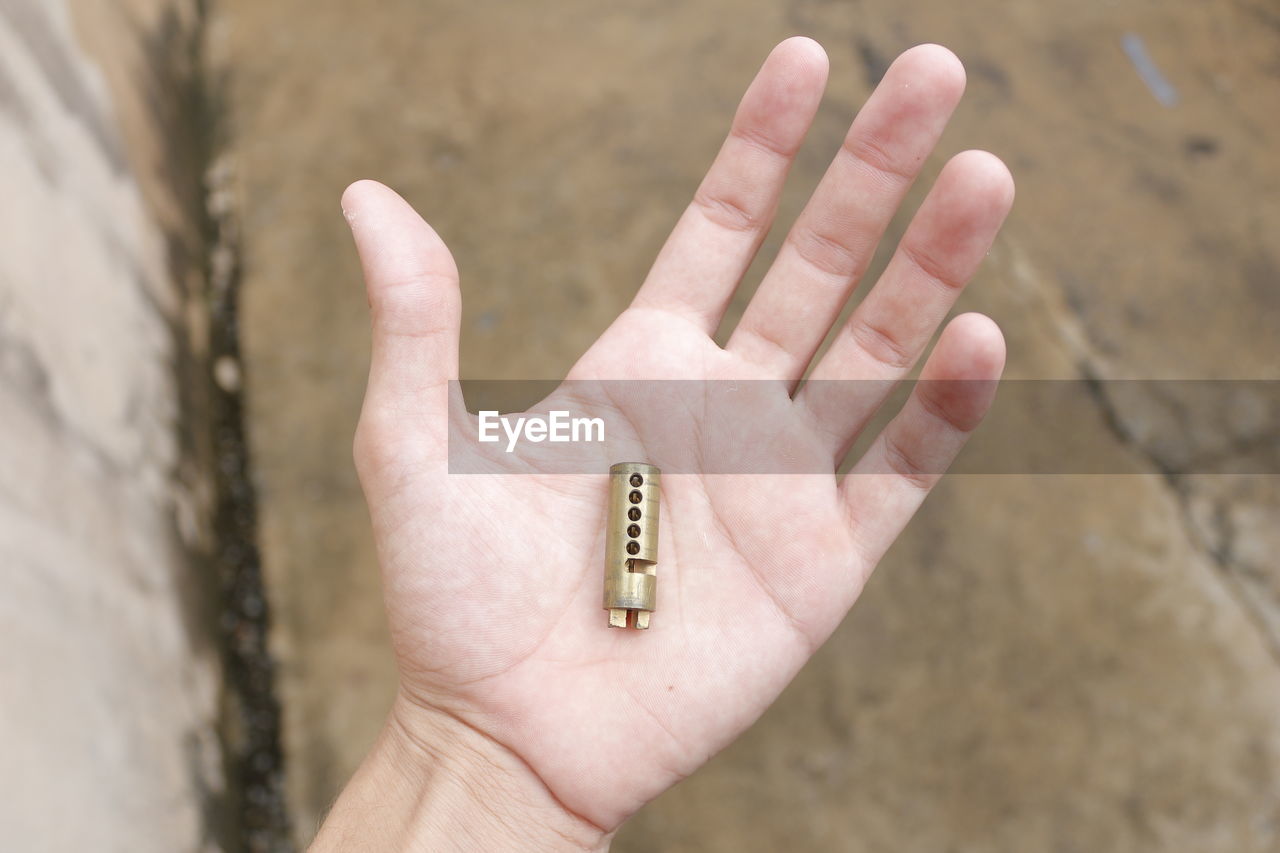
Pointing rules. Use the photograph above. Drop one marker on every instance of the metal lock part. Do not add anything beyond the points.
(631, 544)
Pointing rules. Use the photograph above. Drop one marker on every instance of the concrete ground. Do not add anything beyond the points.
(1043, 662)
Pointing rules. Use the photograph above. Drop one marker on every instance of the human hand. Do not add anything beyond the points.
(523, 721)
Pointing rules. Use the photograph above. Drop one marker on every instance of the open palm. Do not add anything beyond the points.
(493, 581)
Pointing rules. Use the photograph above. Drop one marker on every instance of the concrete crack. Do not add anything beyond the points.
(1068, 325)
(1222, 553)
(251, 724)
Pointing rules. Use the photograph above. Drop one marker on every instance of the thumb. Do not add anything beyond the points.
(416, 308)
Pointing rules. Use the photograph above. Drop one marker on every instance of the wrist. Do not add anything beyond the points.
(432, 782)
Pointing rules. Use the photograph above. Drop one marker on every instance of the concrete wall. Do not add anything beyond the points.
(109, 685)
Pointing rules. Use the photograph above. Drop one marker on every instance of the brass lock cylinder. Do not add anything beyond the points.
(631, 544)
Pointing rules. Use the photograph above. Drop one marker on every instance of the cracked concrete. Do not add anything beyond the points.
(1043, 662)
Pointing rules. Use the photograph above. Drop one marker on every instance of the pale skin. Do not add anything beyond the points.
(522, 721)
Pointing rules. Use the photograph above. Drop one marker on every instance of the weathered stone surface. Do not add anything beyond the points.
(1043, 662)
(110, 683)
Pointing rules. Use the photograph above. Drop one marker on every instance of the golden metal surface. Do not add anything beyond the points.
(631, 544)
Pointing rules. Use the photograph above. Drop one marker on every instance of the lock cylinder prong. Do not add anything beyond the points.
(631, 544)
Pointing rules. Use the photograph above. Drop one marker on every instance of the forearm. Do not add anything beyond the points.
(433, 783)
